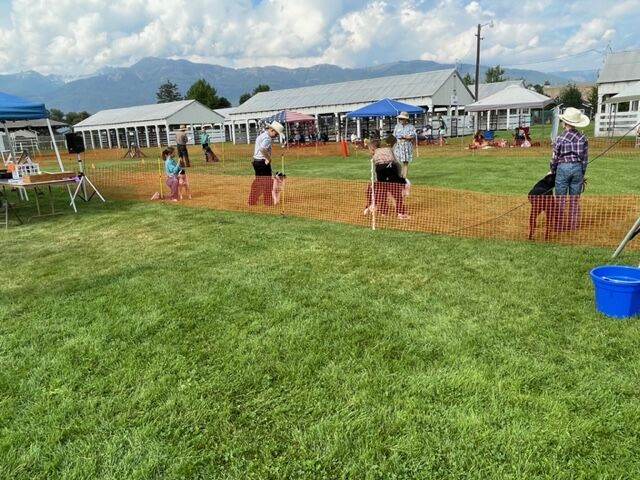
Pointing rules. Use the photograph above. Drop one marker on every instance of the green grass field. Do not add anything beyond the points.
(146, 340)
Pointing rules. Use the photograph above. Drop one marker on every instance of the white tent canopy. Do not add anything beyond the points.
(514, 96)
(627, 95)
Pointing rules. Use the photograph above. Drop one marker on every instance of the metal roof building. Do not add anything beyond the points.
(144, 125)
(487, 89)
(440, 89)
(620, 72)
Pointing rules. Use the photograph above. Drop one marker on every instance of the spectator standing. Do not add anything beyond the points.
(405, 134)
(442, 129)
(181, 141)
(262, 184)
(569, 163)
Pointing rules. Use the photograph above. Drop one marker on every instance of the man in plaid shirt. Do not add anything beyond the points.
(569, 163)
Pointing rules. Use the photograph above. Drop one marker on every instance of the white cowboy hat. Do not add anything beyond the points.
(277, 126)
(574, 117)
(403, 115)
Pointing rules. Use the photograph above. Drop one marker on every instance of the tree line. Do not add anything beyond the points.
(167, 92)
(203, 92)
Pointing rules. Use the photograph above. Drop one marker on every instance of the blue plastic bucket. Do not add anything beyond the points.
(617, 290)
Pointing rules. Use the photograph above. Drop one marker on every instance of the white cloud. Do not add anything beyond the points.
(75, 37)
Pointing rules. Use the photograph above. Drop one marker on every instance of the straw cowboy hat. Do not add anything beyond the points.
(403, 115)
(277, 126)
(182, 127)
(574, 117)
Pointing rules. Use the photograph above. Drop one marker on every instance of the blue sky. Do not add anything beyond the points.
(78, 37)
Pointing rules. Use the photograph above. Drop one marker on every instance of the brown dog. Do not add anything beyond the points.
(542, 200)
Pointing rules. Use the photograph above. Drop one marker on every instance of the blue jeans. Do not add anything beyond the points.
(569, 178)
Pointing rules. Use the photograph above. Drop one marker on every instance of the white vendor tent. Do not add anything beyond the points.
(508, 108)
(513, 96)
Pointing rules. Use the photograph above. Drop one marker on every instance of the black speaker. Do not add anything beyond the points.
(75, 143)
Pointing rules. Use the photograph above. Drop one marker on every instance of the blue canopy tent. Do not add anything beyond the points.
(385, 108)
(18, 108)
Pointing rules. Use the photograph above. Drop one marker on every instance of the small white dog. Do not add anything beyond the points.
(278, 185)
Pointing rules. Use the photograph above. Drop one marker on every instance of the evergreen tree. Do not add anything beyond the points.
(168, 92)
(75, 117)
(57, 115)
(261, 88)
(244, 97)
(468, 79)
(570, 96)
(222, 103)
(203, 93)
(494, 75)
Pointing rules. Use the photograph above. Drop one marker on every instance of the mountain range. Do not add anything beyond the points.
(113, 87)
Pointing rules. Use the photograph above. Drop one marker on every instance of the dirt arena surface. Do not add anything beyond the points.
(604, 220)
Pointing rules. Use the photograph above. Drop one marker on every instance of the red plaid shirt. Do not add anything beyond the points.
(570, 147)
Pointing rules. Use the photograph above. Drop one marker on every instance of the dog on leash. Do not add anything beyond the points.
(278, 184)
(542, 199)
(183, 185)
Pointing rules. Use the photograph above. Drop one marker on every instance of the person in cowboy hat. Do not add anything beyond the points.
(263, 183)
(405, 133)
(569, 163)
(181, 143)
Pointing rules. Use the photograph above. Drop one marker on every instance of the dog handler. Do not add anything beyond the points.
(263, 183)
(569, 163)
(181, 141)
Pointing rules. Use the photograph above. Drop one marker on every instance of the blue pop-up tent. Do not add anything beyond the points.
(385, 108)
(18, 108)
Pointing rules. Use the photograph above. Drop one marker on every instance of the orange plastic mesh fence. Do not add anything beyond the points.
(604, 219)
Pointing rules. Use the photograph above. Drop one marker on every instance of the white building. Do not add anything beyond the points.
(618, 79)
(440, 91)
(144, 125)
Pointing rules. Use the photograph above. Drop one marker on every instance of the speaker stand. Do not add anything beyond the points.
(82, 185)
(134, 152)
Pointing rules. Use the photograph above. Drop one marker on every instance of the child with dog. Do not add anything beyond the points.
(262, 185)
(171, 170)
(388, 181)
(209, 156)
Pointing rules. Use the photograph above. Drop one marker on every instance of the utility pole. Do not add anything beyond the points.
(479, 37)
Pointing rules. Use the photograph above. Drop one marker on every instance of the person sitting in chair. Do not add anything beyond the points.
(478, 140)
(521, 136)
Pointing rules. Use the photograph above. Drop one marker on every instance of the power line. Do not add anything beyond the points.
(561, 57)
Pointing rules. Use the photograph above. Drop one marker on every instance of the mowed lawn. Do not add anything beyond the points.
(142, 340)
